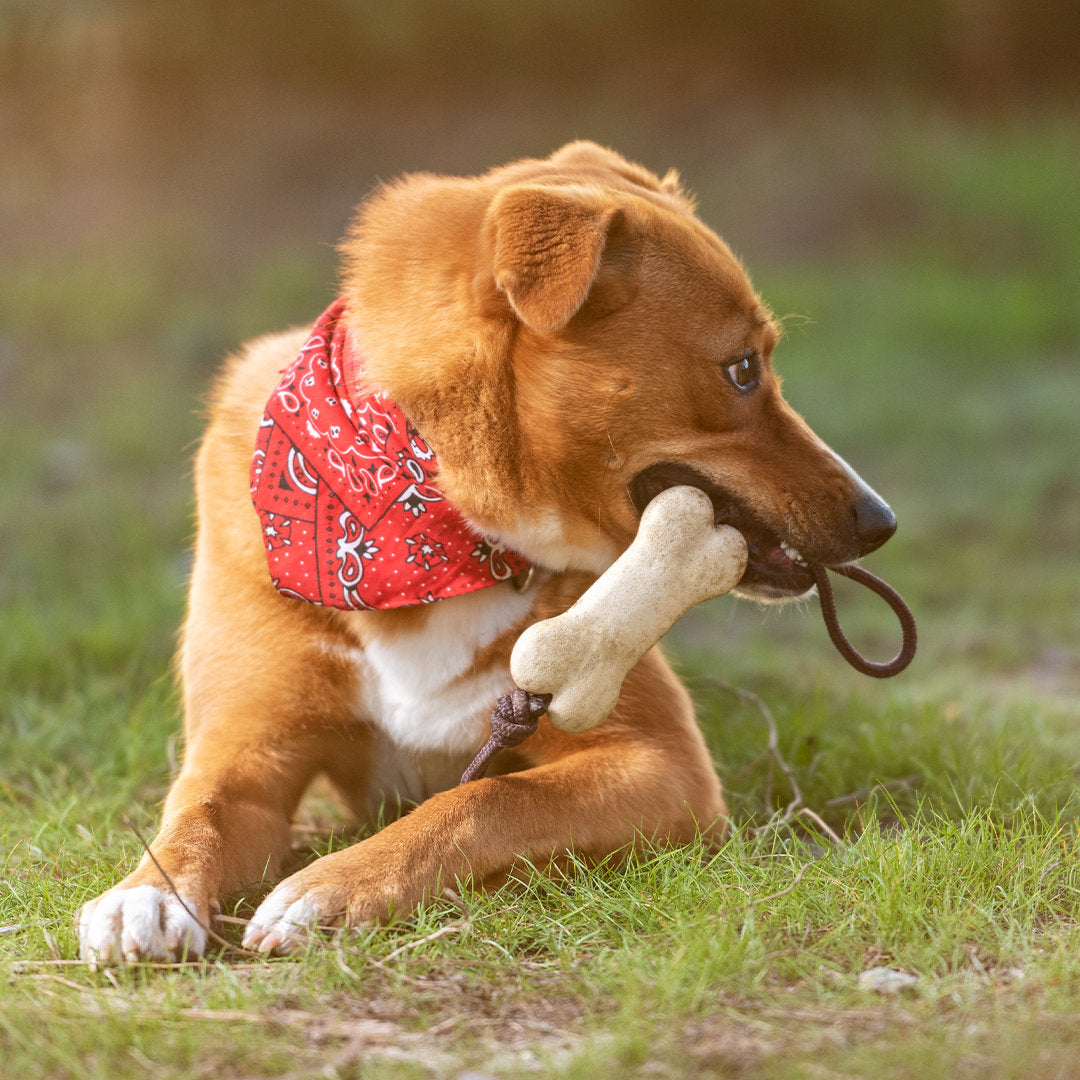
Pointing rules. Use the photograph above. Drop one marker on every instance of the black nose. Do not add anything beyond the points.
(874, 522)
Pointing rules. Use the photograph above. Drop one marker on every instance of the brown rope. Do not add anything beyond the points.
(513, 720)
(832, 623)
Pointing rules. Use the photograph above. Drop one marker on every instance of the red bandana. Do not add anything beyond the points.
(344, 491)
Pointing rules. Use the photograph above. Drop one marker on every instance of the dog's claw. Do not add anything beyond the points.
(130, 926)
(281, 924)
(265, 944)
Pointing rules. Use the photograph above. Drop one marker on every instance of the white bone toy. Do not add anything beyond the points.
(678, 559)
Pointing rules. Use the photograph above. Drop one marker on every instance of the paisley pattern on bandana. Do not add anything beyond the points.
(350, 516)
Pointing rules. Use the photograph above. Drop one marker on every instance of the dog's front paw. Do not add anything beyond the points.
(343, 889)
(139, 923)
(285, 918)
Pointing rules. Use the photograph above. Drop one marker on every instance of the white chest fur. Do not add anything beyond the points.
(418, 686)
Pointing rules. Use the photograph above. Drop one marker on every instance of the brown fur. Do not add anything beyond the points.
(552, 328)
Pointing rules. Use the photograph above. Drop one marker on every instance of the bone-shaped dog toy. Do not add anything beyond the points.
(678, 559)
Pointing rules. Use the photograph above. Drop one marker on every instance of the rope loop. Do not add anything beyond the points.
(891, 597)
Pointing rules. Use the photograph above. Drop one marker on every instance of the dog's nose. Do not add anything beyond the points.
(874, 522)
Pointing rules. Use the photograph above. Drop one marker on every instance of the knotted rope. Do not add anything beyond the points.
(513, 720)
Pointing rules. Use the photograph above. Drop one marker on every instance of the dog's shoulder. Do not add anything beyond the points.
(246, 380)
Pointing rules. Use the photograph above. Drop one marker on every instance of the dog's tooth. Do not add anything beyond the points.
(791, 553)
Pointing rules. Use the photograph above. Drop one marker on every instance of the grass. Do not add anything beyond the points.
(943, 837)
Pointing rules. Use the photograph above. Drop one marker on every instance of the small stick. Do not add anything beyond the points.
(783, 892)
(750, 698)
(816, 818)
(450, 928)
(889, 785)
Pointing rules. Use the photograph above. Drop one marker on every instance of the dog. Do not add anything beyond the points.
(550, 344)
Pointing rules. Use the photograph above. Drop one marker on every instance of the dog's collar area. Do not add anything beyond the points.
(523, 580)
(345, 490)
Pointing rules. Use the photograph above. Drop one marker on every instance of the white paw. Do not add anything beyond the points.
(283, 920)
(143, 923)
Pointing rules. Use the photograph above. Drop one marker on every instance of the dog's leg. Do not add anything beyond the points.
(259, 725)
(644, 772)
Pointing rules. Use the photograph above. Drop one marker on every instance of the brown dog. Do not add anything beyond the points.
(569, 339)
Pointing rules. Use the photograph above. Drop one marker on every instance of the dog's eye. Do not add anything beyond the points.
(745, 372)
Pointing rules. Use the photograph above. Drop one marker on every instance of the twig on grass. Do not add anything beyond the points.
(52, 944)
(231, 920)
(339, 956)
(453, 897)
(816, 819)
(904, 783)
(783, 892)
(743, 909)
(773, 750)
(450, 928)
(25, 967)
(49, 977)
(795, 808)
(29, 967)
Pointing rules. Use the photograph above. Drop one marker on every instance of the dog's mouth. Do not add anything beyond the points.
(773, 568)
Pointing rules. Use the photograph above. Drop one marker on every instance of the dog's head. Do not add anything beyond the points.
(572, 339)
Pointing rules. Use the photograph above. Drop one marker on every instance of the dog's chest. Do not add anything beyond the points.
(424, 688)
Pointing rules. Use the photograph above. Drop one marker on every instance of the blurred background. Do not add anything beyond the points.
(901, 181)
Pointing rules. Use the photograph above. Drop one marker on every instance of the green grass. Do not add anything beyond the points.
(942, 836)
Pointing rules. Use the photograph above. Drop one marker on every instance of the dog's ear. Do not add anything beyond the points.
(548, 248)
